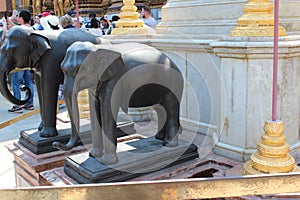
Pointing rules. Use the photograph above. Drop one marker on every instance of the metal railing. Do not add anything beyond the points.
(165, 189)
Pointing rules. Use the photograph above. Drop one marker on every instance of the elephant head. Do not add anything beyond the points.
(21, 49)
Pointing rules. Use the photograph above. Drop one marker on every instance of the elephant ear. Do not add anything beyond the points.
(111, 62)
(40, 44)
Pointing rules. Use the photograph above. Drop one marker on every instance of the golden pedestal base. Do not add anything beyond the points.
(272, 155)
(257, 31)
(249, 170)
(129, 31)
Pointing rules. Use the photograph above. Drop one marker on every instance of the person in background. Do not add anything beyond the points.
(9, 22)
(92, 17)
(1, 33)
(49, 22)
(148, 19)
(66, 22)
(37, 25)
(105, 24)
(95, 28)
(71, 13)
(80, 24)
(23, 76)
(113, 24)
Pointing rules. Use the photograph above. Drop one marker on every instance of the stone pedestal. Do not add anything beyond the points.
(28, 165)
(137, 156)
(38, 145)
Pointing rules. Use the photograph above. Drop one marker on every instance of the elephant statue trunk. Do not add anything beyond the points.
(4, 86)
(72, 105)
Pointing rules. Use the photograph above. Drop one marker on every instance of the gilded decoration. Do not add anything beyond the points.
(129, 22)
(258, 20)
(272, 154)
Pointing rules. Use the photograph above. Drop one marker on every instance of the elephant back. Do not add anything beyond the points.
(69, 36)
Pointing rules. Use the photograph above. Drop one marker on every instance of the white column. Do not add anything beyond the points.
(246, 68)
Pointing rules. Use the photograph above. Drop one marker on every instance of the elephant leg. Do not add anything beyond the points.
(109, 129)
(161, 118)
(97, 137)
(49, 112)
(172, 106)
(49, 88)
(39, 91)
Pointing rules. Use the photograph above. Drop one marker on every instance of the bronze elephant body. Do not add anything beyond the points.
(43, 51)
(120, 76)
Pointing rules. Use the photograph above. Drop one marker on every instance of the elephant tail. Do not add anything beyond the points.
(66, 147)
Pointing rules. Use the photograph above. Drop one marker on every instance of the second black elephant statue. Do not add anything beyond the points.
(43, 51)
(120, 76)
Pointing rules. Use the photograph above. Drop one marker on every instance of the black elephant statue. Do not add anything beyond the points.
(120, 76)
(43, 51)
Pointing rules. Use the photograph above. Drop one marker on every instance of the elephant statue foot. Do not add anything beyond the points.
(171, 143)
(160, 135)
(96, 153)
(40, 126)
(171, 139)
(48, 132)
(109, 159)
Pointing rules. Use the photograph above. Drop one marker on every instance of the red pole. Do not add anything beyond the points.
(275, 60)
(77, 14)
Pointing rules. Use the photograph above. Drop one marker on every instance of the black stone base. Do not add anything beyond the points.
(39, 145)
(136, 158)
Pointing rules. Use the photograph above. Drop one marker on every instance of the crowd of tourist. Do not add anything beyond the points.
(49, 21)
